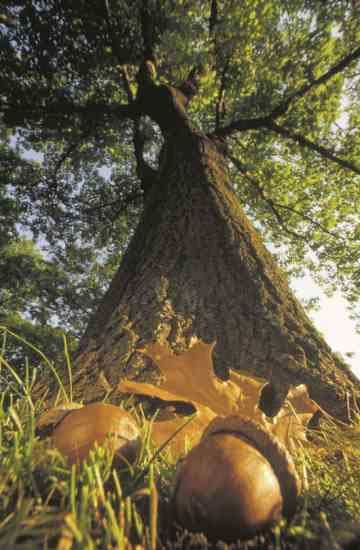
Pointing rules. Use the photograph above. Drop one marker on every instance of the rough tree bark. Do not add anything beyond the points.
(196, 267)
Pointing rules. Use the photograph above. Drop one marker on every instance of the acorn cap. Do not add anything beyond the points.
(270, 447)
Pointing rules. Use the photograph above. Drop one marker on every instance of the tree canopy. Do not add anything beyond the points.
(276, 82)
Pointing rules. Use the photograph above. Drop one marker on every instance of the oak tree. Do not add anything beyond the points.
(174, 134)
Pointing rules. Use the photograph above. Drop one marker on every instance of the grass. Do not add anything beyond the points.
(44, 503)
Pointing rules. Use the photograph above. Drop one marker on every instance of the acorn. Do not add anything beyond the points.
(78, 430)
(238, 481)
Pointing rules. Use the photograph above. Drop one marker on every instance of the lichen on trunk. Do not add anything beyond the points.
(197, 269)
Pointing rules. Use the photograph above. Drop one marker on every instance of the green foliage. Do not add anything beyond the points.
(58, 281)
(68, 174)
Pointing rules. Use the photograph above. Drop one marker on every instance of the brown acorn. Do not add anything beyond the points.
(238, 481)
(79, 429)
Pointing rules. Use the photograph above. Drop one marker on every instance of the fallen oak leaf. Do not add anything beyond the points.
(291, 428)
(291, 422)
(189, 377)
(186, 438)
(162, 430)
(301, 402)
(251, 388)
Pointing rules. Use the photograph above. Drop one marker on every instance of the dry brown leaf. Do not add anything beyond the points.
(163, 429)
(293, 418)
(291, 428)
(189, 377)
(299, 399)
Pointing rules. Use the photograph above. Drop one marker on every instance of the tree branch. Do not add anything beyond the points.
(256, 123)
(310, 220)
(260, 191)
(53, 176)
(16, 115)
(147, 32)
(123, 203)
(305, 142)
(190, 86)
(224, 67)
(146, 174)
(219, 108)
(241, 125)
(213, 19)
(334, 70)
(145, 78)
(126, 80)
(68, 152)
(273, 206)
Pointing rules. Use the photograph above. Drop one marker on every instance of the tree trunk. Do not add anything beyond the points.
(196, 267)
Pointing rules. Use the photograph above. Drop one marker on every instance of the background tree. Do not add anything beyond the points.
(105, 92)
(46, 290)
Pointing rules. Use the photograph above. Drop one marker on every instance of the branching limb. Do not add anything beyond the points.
(190, 86)
(126, 80)
(220, 103)
(305, 142)
(268, 201)
(147, 32)
(72, 147)
(145, 79)
(67, 153)
(334, 70)
(121, 203)
(59, 111)
(241, 125)
(311, 221)
(224, 67)
(213, 20)
(260, 122)
(274, 206)
(146, 174)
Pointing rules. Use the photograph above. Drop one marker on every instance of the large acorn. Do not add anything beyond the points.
(238, 481)
(75, 430)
